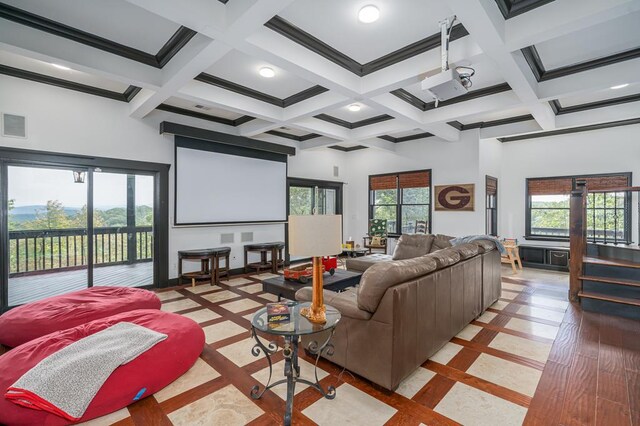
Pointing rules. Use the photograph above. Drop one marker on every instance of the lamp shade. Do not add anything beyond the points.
(315, 235)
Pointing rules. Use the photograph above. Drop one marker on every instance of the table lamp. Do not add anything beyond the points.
(315, 236)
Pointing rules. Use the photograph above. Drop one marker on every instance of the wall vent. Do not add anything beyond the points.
(336, 171)
(246, 237)
(227, 238)
(14, 126)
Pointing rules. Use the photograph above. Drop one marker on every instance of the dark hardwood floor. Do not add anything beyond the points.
(592, 375)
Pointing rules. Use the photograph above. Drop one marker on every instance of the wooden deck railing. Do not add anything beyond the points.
(578, 238)
(37, 251)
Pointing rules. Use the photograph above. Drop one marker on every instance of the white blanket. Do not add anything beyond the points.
(66, 382)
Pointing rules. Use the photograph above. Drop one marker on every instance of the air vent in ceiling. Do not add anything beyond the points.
(202, 107)
(14, 126)
(285, 128)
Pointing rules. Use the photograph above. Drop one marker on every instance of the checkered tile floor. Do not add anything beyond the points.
(486, 375)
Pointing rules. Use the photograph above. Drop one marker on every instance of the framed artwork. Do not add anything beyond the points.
(455, 197)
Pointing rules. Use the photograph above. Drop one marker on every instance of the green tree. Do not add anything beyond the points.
(80, 220)
(300, 200)
(52, 216)
(13, 225)
(115, 217)
(144, 216)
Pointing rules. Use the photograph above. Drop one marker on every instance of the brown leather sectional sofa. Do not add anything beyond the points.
(405, 310)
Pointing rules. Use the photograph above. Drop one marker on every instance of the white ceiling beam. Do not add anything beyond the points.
(484, 22)
(378, 129)
(256, 127)
(562, 17)
(510, 129)
(600, 115)
(208, 94)
(577, 119)
(319, 104)
(282, 52)
(243, 18)
(415, 118)
(314, 125)
(317, 143)
(590, 81)
(204, 16)
(46, 47)
(199, 54)
(491, 103)
(463, 51)
(379, 144)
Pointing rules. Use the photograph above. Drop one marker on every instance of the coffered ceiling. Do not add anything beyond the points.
(540, 65)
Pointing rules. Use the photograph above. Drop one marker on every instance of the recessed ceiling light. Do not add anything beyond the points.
(61, 67)
(368, 14)
(619, 86)
(354, 107)
(267, 72)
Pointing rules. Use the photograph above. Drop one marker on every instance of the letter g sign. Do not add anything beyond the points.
(454, 197)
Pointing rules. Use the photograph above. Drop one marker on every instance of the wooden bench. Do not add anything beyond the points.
(209, 264)
(274, 249)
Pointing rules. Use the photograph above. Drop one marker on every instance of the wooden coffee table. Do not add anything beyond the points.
(287, 289)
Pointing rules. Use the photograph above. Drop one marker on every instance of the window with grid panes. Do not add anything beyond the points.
(403, 199)
(608, 213)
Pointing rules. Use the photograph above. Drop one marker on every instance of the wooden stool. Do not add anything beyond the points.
(209, 264)
(219, 253)
(512, 256)
(276, 253)
(274, 249)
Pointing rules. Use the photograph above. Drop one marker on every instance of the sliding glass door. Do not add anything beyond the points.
(313, 197)
(305, 200)
(122, 229)
(68, 223)
(48, 228)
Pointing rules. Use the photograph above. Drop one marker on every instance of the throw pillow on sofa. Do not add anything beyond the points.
(412, 245)
(441, 242)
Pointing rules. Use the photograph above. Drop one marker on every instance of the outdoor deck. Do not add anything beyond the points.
(30, 288)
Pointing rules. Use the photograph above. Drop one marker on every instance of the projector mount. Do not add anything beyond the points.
(449, 83)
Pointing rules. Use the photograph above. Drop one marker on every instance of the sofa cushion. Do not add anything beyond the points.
(412, 245)
(361, 264)
(445, 257)
(378, 278)
(467, 250)
(440, 242)
(345, 301)
(485, 245)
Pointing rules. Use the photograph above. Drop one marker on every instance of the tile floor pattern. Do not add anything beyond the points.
(486, 375)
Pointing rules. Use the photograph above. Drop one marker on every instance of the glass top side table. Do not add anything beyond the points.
(291, 331)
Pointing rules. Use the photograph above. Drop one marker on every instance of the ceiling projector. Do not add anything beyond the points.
(445, 85)
(449, 83)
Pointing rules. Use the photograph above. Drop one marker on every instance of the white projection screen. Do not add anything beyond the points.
(223, 184)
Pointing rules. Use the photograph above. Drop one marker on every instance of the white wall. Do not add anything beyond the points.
(450, 162)
(60, 120)
(600, 151)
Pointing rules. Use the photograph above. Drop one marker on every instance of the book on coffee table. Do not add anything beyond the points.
(278, 312)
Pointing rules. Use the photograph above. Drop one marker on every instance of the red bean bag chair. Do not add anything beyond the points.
(30, 321)
(145, 375)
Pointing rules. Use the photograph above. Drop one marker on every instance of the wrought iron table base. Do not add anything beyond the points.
(291, 368)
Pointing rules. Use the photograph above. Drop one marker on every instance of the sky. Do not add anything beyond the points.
(35, 186)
